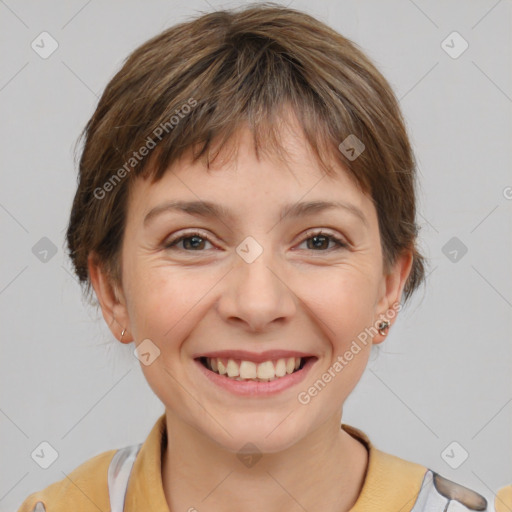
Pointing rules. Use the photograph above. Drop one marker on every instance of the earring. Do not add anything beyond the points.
(383, 327)
(122, 334)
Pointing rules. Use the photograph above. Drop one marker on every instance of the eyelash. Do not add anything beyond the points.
(171, 244)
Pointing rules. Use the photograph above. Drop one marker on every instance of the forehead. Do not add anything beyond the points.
(241, 179)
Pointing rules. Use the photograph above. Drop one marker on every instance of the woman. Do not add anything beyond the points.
(246, 217)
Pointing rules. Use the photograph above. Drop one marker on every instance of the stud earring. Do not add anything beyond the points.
(122, 334)
(383, 327)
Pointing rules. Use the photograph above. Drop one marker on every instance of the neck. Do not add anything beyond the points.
(324, 471)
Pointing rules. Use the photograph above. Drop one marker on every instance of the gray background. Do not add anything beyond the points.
(444, 373)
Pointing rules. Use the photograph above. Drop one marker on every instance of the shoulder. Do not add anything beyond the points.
(85, 488)
(429, 491)
(393, 483)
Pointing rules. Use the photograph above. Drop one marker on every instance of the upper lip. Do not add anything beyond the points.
(256, 357)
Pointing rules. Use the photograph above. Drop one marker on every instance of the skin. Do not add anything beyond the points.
(297, 295)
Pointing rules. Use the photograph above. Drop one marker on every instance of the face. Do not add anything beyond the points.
(262, 279)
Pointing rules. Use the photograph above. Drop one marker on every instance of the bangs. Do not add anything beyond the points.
(251, 82)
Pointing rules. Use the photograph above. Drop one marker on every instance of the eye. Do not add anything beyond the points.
(320, 240)
(195, 241)
(191, 242)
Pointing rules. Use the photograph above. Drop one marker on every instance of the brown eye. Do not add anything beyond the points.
(320, 241)
(191, 242)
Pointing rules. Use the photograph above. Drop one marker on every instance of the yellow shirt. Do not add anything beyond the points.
(391, 484)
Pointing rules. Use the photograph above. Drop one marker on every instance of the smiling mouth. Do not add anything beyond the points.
(267, 371)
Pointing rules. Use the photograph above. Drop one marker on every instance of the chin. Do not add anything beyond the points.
(269, 435)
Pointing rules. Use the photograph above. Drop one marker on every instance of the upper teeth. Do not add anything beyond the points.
(268, 370)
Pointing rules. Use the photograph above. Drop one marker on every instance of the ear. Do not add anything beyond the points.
(111, 300)
(392, 286)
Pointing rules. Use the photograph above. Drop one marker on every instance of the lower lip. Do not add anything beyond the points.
(254, 388)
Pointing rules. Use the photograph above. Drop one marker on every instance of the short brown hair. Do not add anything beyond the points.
(235, 67)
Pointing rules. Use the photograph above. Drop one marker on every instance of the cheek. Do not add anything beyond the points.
(165, 300)
(342, 298)
(343, 304)
(162, 310)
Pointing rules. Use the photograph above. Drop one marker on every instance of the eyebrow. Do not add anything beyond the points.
(208, 210)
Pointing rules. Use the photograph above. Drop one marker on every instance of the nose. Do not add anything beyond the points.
(256, 295)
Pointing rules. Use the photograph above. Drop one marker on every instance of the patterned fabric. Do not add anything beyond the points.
(438, 494)
(118, 475)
